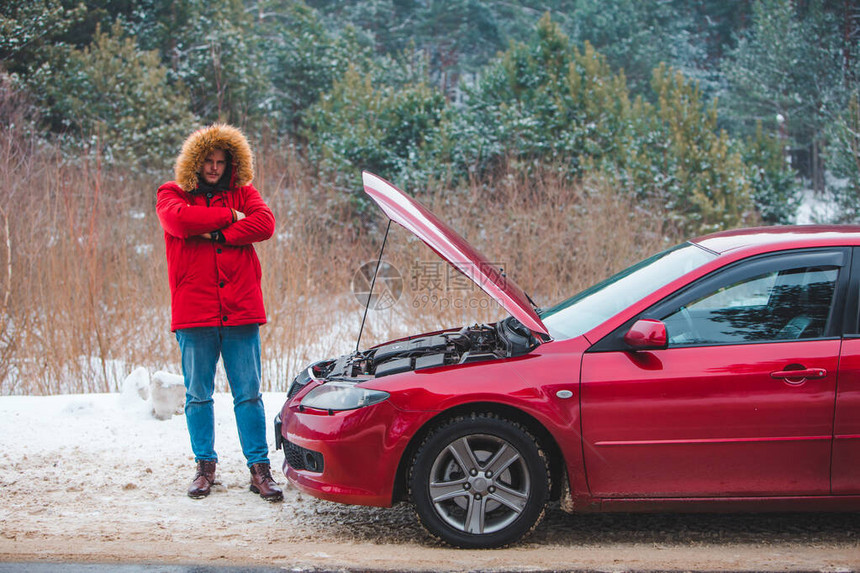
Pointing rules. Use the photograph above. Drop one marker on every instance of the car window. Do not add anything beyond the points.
(787, 304)
(581, 313)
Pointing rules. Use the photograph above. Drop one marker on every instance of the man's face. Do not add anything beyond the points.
(214, 166)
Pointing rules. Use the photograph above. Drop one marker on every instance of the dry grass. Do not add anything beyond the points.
(88, 298)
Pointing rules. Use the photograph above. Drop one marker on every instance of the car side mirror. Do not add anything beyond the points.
(647, 334)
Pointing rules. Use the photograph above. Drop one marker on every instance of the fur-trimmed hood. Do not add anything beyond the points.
(202, 142)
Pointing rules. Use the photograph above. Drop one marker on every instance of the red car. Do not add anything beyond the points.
(722, 374)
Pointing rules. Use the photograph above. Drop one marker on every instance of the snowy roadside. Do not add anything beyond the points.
(96, 478)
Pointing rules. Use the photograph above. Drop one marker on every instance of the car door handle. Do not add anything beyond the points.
(799, 374)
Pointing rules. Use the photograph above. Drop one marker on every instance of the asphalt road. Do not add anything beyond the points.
(114, 568)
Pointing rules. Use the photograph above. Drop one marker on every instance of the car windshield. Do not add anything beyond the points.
(579, 314)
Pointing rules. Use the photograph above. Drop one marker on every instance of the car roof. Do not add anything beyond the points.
(763, 239)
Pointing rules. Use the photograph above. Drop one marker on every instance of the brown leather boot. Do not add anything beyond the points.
(263, 483)
(203, 480)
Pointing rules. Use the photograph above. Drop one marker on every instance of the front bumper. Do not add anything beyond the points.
(349, 456)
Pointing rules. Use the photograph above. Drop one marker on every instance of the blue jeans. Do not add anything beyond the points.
(239, 346)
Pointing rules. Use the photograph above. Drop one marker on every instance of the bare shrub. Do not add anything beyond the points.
(307, 267)
(82, 293)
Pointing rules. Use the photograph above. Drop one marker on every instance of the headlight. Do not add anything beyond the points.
(298, 383)
(341, 396)
(312, 372)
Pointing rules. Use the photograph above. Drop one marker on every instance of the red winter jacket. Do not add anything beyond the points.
(214, 284)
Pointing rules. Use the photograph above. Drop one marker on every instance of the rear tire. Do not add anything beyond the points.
(479, 482)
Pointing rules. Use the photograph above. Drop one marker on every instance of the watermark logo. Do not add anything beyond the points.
(386, 290)
(434, 285)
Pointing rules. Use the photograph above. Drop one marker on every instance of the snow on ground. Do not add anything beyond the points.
(104, 424)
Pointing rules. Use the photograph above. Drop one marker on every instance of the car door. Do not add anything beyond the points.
(740, 403)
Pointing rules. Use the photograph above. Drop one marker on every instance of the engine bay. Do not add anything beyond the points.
(475, 343)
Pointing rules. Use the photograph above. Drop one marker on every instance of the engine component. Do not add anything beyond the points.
(469, 344)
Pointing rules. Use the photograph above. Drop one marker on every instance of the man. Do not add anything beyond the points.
(212, 216)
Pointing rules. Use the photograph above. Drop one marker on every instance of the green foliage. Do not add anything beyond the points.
(114, 93)
(774, 183)
(366, 84)
(97, 15)
(677, 154)
(457, 34)
(844, 159)
(543, 100)
(27, 30)
(373, 18)
(787, 73)
(302, 58)
(382, 129)
(220, 67)
(768, 69)
(454, 35)
(550, 102)
(636, 36)
(207, 45)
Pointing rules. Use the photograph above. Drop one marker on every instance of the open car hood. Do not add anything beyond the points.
(449, 245)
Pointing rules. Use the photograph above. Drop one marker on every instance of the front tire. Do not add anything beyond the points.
(479, 482)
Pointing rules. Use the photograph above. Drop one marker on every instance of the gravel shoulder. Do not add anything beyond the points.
(66, 497)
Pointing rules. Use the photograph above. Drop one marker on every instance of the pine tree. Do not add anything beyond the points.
(787, 74)
(548, 102)
(843, 155)
(115, 95)
(360, 125)
(302, 58)
(209, 46)
(29, 31)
